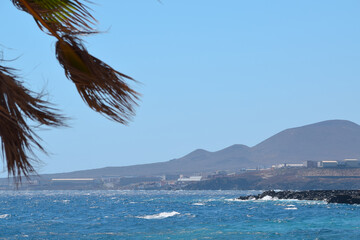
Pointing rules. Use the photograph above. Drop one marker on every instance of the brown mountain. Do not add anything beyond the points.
(334, 139)
(328, 140)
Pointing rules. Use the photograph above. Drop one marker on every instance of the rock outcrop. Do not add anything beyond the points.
(330, 196)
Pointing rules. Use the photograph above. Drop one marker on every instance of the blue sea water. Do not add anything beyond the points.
(170, 215)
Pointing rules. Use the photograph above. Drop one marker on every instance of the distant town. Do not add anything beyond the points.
(346, 168)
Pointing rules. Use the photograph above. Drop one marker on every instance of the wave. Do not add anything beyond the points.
(4, 216)
(269, 198)
(66, 201)
(235, 200)
(265, 198)
(240, 200)
(291, 208)
(198, 204)
(160, 215)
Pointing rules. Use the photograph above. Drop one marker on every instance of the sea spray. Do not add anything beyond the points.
(161, 215)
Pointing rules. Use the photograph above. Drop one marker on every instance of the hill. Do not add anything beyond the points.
(333, 139)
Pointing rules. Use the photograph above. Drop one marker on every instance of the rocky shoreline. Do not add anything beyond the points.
(330, 196)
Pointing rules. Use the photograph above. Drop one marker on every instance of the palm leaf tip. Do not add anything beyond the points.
(18, 138)
(100, 86)
(61, 16)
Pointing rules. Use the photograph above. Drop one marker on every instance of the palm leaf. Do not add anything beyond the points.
(59, 16)
(17, 138)
(100, 86)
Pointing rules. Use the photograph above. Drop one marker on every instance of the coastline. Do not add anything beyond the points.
(329, 196)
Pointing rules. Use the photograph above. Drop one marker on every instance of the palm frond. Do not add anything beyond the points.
(17, 138)
(60, 16)
(100, 86)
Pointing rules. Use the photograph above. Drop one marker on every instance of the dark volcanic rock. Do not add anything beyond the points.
(330, 196)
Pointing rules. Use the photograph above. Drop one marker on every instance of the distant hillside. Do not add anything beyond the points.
(234, 157)
(334, 139)
(328, 140)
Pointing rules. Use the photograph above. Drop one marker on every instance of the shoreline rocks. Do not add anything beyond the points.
(330, 196)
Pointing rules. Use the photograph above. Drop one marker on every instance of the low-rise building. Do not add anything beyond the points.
(72, 180)
(73, 183)
(328, 164)
(310, 164)
(282, 165)
(288, 165)
(351, 163)
(190, 179)
(292, 165)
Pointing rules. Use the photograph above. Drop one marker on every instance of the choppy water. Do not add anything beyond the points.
(170, 215)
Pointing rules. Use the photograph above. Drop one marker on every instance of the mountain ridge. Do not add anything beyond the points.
(326, 140)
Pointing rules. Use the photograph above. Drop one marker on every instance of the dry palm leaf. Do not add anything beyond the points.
(17, 138)
(100, 86)
(61, 16)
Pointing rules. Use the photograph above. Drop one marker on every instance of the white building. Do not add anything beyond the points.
(190, 179)
(328, 164)
(352, 163)
(288, 165)
(72, 180)
(294, 165)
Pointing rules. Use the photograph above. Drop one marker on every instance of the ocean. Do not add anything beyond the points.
(170, 215)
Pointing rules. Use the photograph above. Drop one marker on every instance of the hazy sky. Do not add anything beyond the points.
(213, 74)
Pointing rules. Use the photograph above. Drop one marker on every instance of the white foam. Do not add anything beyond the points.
(291, 208)
(210, 200)
(239, 200)
(66, 201)
(267, 197)
(198, 204)
(160, 215)
(232, 200)
(190, 215)
(4, 216)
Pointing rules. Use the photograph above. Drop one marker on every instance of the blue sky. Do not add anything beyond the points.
(212, 73)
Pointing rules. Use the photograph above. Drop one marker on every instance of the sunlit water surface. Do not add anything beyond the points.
(170, 215)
